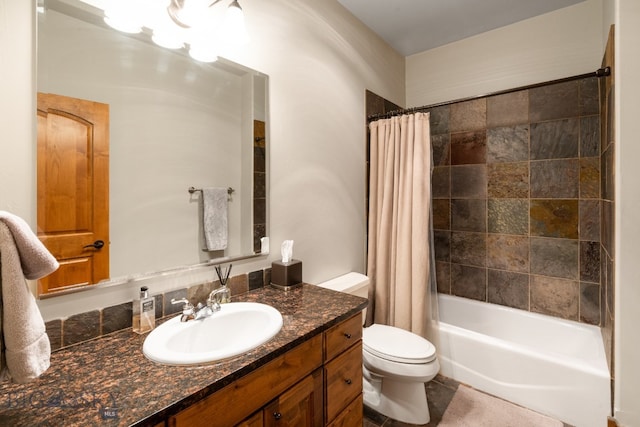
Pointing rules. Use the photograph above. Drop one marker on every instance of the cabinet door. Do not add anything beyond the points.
(300, 406)
(253, 421)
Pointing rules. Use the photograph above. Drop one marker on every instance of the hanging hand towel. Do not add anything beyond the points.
(25, 345)
(214, 218)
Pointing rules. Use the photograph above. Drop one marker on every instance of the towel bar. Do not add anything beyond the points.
(193, 190)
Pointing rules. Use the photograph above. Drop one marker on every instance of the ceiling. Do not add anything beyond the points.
(412, 26)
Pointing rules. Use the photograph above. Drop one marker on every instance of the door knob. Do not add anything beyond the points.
(98, 244)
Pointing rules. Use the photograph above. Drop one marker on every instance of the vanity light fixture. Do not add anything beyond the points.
(125, 17)
(176, 23)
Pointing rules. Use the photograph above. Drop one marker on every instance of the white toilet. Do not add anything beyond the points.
(396, 363)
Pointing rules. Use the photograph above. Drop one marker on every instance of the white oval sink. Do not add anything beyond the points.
(237, 328)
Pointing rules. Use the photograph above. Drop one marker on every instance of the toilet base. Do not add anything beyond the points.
(398, 400)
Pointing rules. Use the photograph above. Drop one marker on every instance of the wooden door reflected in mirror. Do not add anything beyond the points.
(73, 190)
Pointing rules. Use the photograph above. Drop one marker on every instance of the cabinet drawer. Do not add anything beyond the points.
(343, 377)
(231, 404)
(351, 416)
(342, 336)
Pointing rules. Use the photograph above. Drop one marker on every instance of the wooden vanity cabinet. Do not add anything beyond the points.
(317, 383)
(233, 403)
(343, 373)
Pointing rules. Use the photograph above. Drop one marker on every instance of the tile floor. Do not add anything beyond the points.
(440, 391)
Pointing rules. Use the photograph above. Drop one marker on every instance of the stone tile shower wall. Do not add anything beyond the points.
(516, 199)
(259, 184)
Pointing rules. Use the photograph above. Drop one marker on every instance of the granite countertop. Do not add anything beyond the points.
(109, 382)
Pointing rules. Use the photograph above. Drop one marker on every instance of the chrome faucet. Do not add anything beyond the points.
(201, 311)
(222, 295)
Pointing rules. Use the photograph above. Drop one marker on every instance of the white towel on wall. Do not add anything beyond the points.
(214, 218)
(25, 345)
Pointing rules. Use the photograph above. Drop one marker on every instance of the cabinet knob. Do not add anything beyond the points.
(347, 335)
(277, 415)
(348, 381)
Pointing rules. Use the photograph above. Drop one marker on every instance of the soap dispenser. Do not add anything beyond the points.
(144, 312)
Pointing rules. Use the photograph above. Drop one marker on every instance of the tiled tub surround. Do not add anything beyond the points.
(89, 325)
(517, 200)
(109, 382)
(259, 184)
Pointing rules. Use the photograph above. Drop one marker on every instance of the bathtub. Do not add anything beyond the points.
(552, 366)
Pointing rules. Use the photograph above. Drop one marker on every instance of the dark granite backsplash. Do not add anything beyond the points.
(92, 324)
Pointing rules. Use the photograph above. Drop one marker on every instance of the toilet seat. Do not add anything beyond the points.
(397, 345)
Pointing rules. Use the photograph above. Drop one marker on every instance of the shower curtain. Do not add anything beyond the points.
(400, 260)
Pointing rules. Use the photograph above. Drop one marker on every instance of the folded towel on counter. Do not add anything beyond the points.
(214, 218)
(25, 348)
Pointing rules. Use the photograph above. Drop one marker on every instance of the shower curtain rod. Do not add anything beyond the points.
(601, 72)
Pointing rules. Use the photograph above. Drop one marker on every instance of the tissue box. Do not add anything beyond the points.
(286, 274)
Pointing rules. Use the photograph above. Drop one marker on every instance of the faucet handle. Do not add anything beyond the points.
(187, 308)
(188, 312)
(187, 304)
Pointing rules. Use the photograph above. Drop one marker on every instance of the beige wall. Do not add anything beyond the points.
(551, 46)
(320, 60)
(17, 147)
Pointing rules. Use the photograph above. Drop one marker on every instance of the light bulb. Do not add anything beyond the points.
(123, 24)
(167, 39)
(188, 13)
(234, 30)
(125, 16)
(203, 53)
(165, 32)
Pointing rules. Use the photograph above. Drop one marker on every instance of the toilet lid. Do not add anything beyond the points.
(398, 345)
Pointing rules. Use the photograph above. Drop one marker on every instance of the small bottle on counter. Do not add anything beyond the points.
(144, 312)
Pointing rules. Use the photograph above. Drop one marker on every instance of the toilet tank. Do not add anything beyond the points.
(351, 283)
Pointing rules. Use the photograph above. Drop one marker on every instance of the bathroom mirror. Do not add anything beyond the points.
(174, 124)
